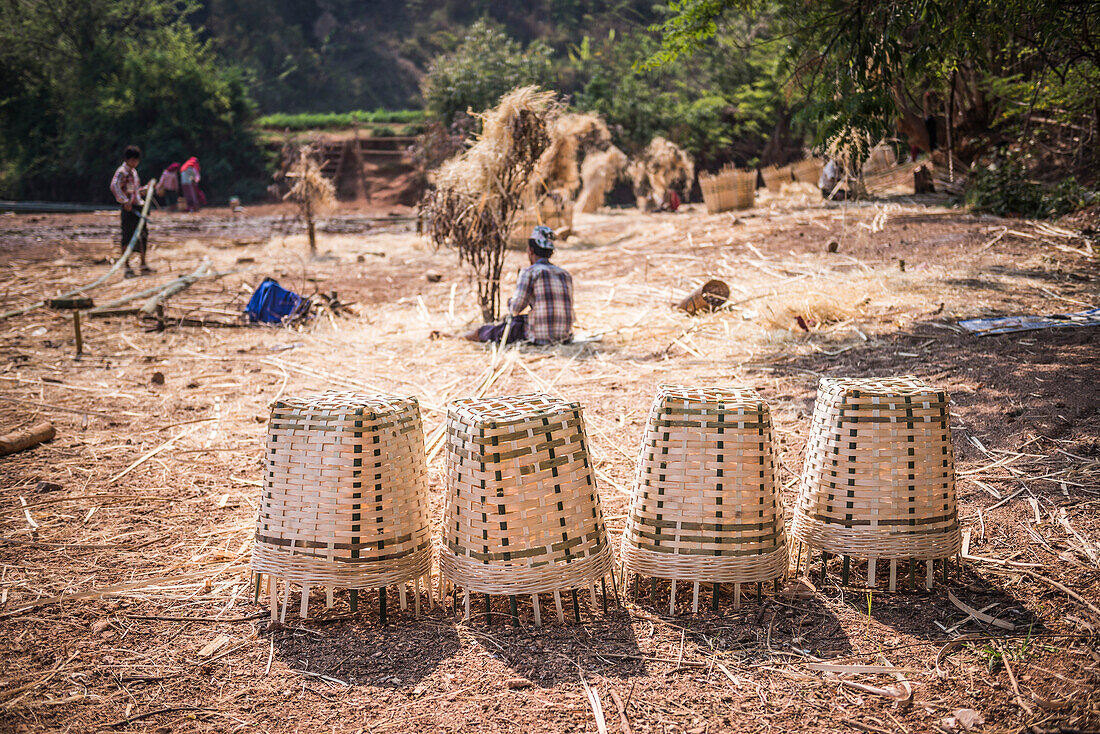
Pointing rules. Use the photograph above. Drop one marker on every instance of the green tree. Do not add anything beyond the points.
(83, 79)
(485, 66)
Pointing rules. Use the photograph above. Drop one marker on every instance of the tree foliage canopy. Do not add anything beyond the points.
(83, 79)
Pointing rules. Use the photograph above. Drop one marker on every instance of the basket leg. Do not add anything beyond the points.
(870, 573)
(256, 594)
(428, 590)
(603, 593)
(401, 598)
(653, 589)
(382, 605)
(576, 606)
(845, 570)
(912, 574)
(353, 600)
(416, 597)
(538, 615)
(928, 574)
(328, 597)
(273, 592)
(695, 598)
(514, 607)
(824, 566)
(303, 612)
(672, 598)
(557, 606)
(717, 593)
(488, 610)
(737, 596)
(893, 575)
(637, 583)
(466, 601)
(798, 559)
(759, 590)
(592, 596)
(775, 584)
(615, 589)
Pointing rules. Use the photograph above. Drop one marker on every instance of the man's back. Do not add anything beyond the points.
(548, 290)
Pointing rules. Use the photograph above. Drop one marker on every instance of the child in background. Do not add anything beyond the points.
(168, 187)
(189, 182)
(127, 189)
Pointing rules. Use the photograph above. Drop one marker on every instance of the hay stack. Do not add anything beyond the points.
(478, 193)
(599, 173)
(662, 165)
(571, 135)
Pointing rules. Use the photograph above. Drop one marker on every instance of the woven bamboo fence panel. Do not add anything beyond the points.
(728, 189)
(775, 177)
(879, 475)
(808, 170)
(345, 497)
(704, 505)
(522, 513)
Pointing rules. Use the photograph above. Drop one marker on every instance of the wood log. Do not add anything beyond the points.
(177, 285)
(64, 304)
(26, 438)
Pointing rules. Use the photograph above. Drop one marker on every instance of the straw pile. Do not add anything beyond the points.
(477, 194)
(599, 173)
(571, 136)
(663, 165)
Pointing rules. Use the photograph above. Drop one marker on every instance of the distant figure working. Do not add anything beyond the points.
(547, 289)
(127, 189)
(829, 182)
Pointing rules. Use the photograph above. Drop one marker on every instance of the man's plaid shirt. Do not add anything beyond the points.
(548, 290)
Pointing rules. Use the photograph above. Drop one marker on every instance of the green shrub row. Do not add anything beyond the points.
(323, 120)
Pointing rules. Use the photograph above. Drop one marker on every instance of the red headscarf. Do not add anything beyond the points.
(173, 167)
(192, 162)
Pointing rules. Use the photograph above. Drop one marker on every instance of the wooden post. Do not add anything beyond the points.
(737, 596)
(845, 570)
(382, 605)
(79, 338)
(353, 600)
(717, 593)
(256, 594)
(672, 598)
(695, 598)
(603, 593)
(576, 606)
(303, 610)
(514, 607)
(928, 575)
(538, 616)
(416, 599)
(557, 606)
(893, 574)
(912, 574)
(871, 573)
(401, 598)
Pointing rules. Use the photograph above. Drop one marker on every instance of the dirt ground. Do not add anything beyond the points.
(125, 600)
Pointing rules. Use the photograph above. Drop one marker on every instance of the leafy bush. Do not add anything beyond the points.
(485, 66)
(1005, 190)
(83, 82)
(333, 120)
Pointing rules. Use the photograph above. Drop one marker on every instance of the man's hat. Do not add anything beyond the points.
(542, 237)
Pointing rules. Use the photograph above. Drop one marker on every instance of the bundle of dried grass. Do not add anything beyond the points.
(312, 192)
(599, 172)
(571, 136)
(478, 192)
(662, 166)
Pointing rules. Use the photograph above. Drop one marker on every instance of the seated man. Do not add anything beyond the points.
(547, 289)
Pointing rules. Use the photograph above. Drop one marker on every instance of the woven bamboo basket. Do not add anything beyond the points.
(522, 513)
(878, 480)
(808, 170)
(344, 503)
(705, 507)
(728, 189)
(775, 177)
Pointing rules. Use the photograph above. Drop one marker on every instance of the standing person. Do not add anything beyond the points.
(127, 189)
(168, 187)
(189, 182)
(547, 289)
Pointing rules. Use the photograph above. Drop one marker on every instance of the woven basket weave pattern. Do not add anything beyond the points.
(729, 189)
(522, 514)
(704, 505)
(345, 494)
(879, 476)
